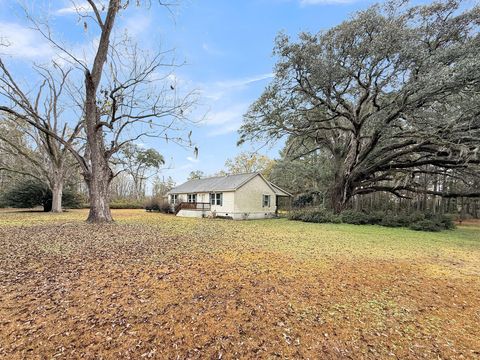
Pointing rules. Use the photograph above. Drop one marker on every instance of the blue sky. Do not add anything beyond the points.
(226, 46)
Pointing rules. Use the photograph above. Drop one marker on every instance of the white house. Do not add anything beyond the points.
(242, 196)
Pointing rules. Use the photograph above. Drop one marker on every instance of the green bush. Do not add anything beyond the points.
(320, 216)
(432, 222)
(158, 204)
(414, 217)
(375, 217)
(355, 217)
(126, 204)
(401, 220)
(295, 214)
(303, 200)
(415, 220)
(314, 216)
(426, 225)
(446, 221)
(391, 220)
(31, 193)
(335, 219)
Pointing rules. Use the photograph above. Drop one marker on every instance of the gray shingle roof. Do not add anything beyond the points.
(217, 183)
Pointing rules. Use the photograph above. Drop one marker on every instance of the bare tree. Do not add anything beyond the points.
(46, 151)
(140, 164)
(249, 162)
(120, 101)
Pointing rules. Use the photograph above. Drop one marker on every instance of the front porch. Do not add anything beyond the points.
(191, 206)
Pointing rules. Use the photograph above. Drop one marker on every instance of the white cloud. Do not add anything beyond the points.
(211, 50)
(229, 101)
(243, 81)
(227, 120)
(137, 24)
(192, 159)
(222, 104)
(81, 7)
(23, 42)
(222, 89)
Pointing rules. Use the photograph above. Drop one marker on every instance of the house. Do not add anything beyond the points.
(242, 196)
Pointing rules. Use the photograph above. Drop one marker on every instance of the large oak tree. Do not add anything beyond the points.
(389, 94)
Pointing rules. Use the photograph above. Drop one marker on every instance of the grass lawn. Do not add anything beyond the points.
(159, 286)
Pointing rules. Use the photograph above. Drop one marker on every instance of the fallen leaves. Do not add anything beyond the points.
(156, 286)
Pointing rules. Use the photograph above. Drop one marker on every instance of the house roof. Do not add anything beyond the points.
(221, 183)
(217, 183)
(278, 190)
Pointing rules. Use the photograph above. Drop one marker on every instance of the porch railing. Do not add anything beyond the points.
(192, 206)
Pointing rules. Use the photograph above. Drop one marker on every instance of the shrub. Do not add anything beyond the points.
(375, 217)
(158, 204)
(151, 207)
(355, 217)
(303, 200)
(31, 193)
(415, 221)
(432, 222)
(426, 225)
(414, 217)
(295, 214)
(314, 216)
(400, 220)
(391, 220)
(126, 204)
(164, 207)
(446, 221)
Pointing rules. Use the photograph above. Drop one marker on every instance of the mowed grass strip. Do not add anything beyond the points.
(159, 286)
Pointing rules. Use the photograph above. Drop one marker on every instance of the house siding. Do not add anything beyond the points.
(226, 209)
(228, 204)
(246, 202)
(249, 200)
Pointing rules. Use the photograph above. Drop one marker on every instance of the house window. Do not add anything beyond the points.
(266, 200)
(192, 198)
(173, 198)
(216, 199)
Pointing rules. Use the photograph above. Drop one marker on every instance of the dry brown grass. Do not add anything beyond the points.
(157, 286)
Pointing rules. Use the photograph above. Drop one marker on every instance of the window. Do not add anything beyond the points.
(173, 198)
(192, 198)
(216, 199)
(266, 200)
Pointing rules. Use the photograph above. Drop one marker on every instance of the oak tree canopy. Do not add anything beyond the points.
(387, 95)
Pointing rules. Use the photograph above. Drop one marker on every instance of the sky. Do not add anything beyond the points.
(225, 47)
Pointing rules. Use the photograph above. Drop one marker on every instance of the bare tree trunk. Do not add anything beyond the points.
(57, 193)
(100, 175)
(56, 184)
(98, 188)
(434, 197)
(98, 182)
(137, 184)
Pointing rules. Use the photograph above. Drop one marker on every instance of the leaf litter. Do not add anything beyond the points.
(157, 286)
